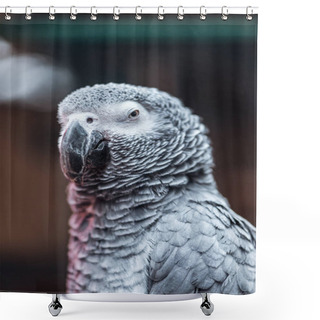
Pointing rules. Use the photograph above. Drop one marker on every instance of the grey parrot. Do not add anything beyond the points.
(147, 215)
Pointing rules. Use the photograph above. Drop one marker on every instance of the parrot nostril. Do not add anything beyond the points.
(89, 120)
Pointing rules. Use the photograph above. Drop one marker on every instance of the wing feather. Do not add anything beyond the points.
(205, 247)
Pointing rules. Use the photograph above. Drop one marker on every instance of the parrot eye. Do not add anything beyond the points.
(134, 114)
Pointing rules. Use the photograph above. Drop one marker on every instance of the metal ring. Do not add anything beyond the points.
(7, 11)
(93, 16)
(249, 15)
(138, 16)
(224, 13)
(73, 13)
(52, 12)
(203, 13)
(116, 15)
(180, 13)
(28, 13)
(160, 15)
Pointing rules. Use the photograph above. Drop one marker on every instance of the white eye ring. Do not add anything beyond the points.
(134, 114)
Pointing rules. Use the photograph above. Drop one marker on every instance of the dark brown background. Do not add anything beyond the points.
(211, 66)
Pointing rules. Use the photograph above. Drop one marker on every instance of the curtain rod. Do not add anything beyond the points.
(118, 10)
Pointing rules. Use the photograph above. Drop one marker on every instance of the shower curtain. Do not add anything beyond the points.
(128, 154)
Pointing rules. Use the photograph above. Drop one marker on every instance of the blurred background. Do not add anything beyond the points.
(209, 65)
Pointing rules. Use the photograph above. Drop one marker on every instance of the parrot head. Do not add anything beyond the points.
(119, 131)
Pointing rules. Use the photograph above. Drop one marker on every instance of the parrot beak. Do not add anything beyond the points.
(80, 152)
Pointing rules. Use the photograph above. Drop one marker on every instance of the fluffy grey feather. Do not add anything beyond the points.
(151, 220)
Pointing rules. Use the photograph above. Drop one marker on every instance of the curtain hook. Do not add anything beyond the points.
(93, 16)
(249, 15)
(73, 13)
(160, 15)
(28, 13)
(203, 13)
(138, 16)
(116, 15)
(180, 13)
(52, 12)
(224, 13)
(7, 12)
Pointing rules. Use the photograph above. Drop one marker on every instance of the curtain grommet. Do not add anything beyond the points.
(7, 11)
(249, 14)
(138, 15)
(73, 13)
(224, 13)
(52, 12)
(28, 13)
(180, 15)
(160, 15)
(203, 13)
(116, 15)
(93, 15)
